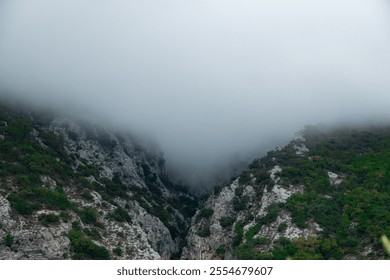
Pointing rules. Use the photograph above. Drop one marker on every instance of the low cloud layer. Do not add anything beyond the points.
(213, 81)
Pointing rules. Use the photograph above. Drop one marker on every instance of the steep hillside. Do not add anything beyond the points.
(325, 195)
(73, 190)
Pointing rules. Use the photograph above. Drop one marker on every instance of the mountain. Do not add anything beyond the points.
(73, 190)
(325, 195)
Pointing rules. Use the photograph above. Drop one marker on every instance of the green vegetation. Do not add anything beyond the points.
(85, 249)
(9, 240)
(93, 233)
(282, 227)
(28, 200)
(204, 213)
(32, 157)
(263, 177)
(240, 203)
(87, 196)
(271, 216)
(226, 221)
(88, 215)
(238, 234)
(221, 249)
(245, 178)
(49, 219)
(353, 214)
(117, 251)
(120, 215)
(204, 231)
(115, 188)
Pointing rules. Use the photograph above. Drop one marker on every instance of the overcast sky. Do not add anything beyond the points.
(211, 80)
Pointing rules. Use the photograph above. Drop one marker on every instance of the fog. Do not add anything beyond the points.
(215, 82)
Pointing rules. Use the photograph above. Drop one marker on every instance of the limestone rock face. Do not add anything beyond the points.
(120, 197)
(253, 206)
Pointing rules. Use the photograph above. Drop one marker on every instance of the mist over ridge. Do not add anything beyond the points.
(213, 82)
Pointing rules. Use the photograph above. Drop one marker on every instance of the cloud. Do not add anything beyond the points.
(210, 80)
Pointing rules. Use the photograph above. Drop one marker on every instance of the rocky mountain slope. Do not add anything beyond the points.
(74, 190)
(325, 195)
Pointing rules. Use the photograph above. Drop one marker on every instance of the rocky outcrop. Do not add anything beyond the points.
(252, 205)
(116, 191)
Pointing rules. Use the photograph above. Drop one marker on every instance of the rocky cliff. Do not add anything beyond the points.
(325, 195)
(71, 189)
(74, 190)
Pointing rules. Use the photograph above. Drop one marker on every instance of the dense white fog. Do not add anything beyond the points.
(215, 82)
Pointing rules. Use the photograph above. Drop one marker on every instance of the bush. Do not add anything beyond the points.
(226, 221)
(117, 251)
(48, 219)
(89, 215)
(205, 213)
(239, 191)
(245, 178)
(239, 203)
(282, 227)
(204, 231)
(21, 205)
(263, 177)
(85, 249)
(271, 216)
(120, 215)
(28, 200)
(221, 249)
(93, 233)
(115, 188)
(87, 196)
(239, 233)
(252, 231)
(9, 240)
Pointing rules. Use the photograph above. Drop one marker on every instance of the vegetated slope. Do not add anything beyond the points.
(73, 190)
(325, 195)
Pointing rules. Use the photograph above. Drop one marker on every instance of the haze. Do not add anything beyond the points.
(215, 82)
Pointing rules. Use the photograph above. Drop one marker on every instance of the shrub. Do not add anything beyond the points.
(93, 233)
(87, 196)
(271, 216)
(204, 231)
(252, 231)
(239, 191)
(118, 251)
(282, 227)
(239, 203)
(115, 188)
(221, 249)
(9, 240)
(28, 200)
(245, 178)
(48, 219)
(226, 221)
(120, 215)
(263, 177)
(85, 249)
(205, 213)
(239, 233)
(89, 215)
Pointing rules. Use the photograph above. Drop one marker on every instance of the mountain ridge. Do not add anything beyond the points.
(325, 195)
(76, 190)
(89, 188)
